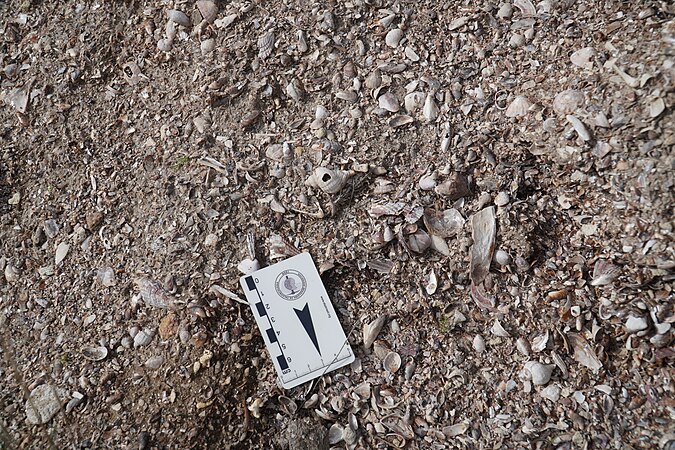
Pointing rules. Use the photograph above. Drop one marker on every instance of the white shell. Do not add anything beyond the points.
(266, 45)
(392, 362)
(393, 37)
(518, 107)
(540, 373)
(178, 17)
(328, 180)
(568, 101)
(95, 353)
(432, 284)
(656, 107)
(428, 182)
(430, 110)
(479, 343)
(61, 252)
(248, 266)
(413, 101)
(579, 127)
(583, 58)
(498, 330)
(389, 102)
(143, 337)
(371, 330)
(154, 362)
(526, 7)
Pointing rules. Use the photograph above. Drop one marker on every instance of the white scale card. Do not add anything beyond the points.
(297, 320)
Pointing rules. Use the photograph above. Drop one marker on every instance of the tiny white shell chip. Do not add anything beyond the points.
(498, 329)
(479, 343)
(61, 252)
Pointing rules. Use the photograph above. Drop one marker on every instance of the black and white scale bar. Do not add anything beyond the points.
(262, 312)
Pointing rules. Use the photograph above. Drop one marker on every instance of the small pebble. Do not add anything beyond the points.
(154, 362)
(502, 199)
(635, 324)
(179, 17)
(517, 40)
(505, 11)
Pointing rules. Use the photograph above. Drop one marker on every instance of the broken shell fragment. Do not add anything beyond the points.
(430, 109)
(604, 273)
(498, 330)
(583, 58)
(328, 180)
(432, 284)
(389, 102)
(95, 353)
(400, 120)
(371, 330)
(443, 223)
(427, 182)
(248, 266)
(266, 45)
(178, 17)
(579, 127)
(419, 241)
(153, 294)
(392, 362)
(583, 353)
(540, 373)
(483, 234)
(393, 37)
(455, 187)
(208, 10)
(656, 107)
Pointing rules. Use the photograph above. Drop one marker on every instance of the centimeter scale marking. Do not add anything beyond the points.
(297, 320)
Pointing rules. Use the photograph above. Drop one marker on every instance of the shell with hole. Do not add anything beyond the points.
(331, 181)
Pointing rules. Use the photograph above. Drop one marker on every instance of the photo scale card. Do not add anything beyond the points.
(297, 320)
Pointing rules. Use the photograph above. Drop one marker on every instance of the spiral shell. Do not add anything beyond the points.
(328, 180)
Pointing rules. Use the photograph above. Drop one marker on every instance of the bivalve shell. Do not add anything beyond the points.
(519, 107)
(392, 362)
(95, 353)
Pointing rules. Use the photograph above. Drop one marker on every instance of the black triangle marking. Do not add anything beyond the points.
(306, 321)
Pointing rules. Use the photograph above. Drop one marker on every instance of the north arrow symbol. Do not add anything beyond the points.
(306, 321)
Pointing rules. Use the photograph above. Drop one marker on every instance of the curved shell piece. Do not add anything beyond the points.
(328, 180)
